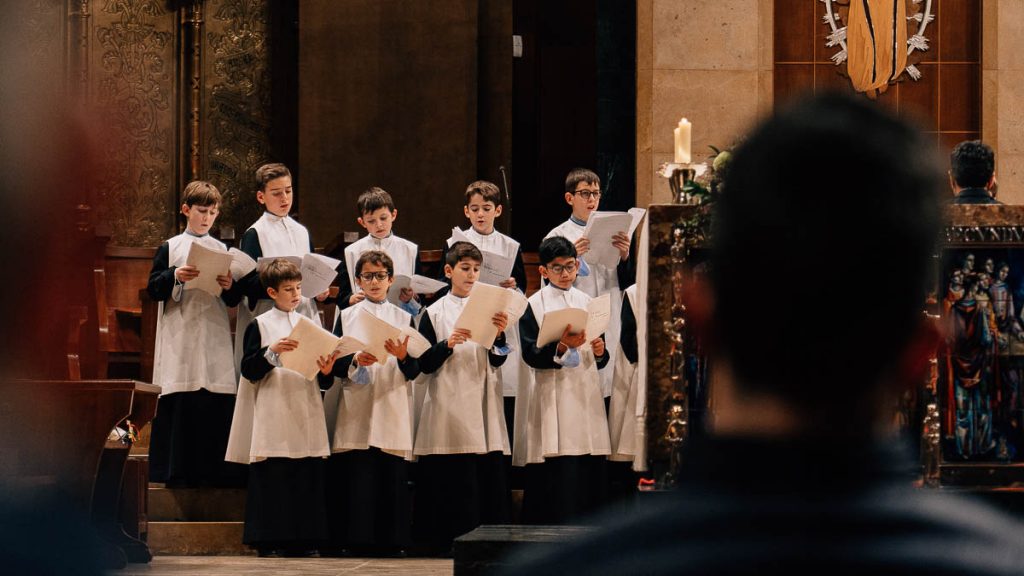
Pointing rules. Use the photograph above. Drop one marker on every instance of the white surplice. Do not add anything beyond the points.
(601, 280)
(462, 409)
(403, 254)
(377, 414)
(281, 415)
(193, 333)
(622, 421)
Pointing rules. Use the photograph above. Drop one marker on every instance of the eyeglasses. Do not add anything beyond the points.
(588, 194)
(370, 276)
(558, 269)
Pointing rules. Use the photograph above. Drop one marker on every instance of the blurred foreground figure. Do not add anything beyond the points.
(799, 471)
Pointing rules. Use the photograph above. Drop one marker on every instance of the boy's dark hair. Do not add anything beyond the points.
(268, 172)
(201, 193)
(373, 199)
(780, 221)
(577, 175)
(460, 251)
(278, 271)
(972, 164)
(488, 190)
(377, 257)
(555, 247)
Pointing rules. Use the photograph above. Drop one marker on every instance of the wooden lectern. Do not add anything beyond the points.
(54, 440)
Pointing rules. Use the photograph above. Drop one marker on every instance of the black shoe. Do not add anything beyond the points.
(266, 552)
(302, 553)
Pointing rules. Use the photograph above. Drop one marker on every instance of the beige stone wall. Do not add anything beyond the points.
(1002, 117)
(707, 60)
(711, 61)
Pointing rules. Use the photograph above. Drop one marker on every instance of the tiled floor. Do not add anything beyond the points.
(250, 566)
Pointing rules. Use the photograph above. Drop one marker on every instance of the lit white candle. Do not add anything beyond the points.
(682, 141)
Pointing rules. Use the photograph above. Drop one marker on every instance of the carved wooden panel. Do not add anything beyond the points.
(235, 114)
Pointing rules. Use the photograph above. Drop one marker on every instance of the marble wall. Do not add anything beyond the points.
(707, 60)
(711, 62)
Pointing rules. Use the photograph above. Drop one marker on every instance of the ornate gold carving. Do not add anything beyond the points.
(238, 122)
(134, 83)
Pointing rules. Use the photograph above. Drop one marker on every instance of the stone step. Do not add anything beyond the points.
(197, 539)
(196, 504)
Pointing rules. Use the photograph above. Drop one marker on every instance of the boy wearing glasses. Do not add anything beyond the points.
(583, 194)
(370, 416)
(566, 429)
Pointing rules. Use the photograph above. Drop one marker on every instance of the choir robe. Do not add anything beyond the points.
(404, 255)
(369, 500)
(561, 426)
(280, 431)
(622, 421)
(461, 436)
(192, 366)
(269, 237)
(512, 370)
(601, 280)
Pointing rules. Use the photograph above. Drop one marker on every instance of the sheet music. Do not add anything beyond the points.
(314, 342)
(210, 263)
(600, 228)
(241, 263)
(419, 284)
(495, 268)
(484, 302)
(599, 314)
(638, 216)
(318, 271)
(373, 332)
(553, 324)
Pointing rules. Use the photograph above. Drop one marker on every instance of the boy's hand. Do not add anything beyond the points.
(570, 340)
(284, 345)
(326, 363)
(598, 345)
(186, 273)
(366, 359)
(621, 242)
(406, 295)
(582, 246)
(459, 336)
(500, 321)
(509, 283)
(323, 295)
(356, 298)
(225, 281)
(398, 349)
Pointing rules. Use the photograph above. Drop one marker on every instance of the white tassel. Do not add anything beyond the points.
(836, 37)
(913, 72)
(917, 42)
(839, 57)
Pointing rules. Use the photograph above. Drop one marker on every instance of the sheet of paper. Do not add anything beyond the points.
(417, 344)
(599, 230)
(484, 302)
(458, 236)
(318, 271)
(638, 216)
(496, 268)
(241, 263)
(210, 263)
(373, 332)
(599, 315)
(419, 285)
(553, 324)
(314, 342)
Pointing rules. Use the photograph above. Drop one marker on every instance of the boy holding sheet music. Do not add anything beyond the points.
(192, 359)
(279, 427)
(370, 415)
(483, 206)
(377, 213)
(461, 437)
(604, 263)
(561, 423)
